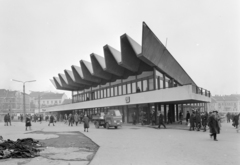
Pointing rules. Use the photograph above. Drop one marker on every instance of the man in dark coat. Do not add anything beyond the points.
(161, 121)
(228, 117)
(192, 121)
(213, 125)
(180, 117)
(86, 122)
(8, 119)
(169, 117)
(236, 120)
(198, 121)
(204, 121)
(51, 119)
(187, 116)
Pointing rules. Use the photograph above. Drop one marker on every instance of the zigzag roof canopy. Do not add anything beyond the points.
(132, 60)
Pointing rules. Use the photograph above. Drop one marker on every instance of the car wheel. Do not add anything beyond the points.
(115, 127)
(107, 125)
(97, 125)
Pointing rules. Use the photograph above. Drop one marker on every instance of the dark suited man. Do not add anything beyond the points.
(161, 121)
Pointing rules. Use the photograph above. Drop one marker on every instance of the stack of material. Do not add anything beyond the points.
(22, 148)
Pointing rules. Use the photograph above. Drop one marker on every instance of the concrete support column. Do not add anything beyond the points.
(173, 112)
(177, 111)
(165, 113)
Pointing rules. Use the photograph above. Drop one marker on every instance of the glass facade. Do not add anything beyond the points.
(143, 82)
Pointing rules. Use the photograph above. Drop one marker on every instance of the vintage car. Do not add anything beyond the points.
(112, 119)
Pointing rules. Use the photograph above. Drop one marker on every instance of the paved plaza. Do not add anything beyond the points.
(137, 145)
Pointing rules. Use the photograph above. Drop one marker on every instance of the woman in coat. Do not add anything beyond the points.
(86, 122)
(28, 122)
(214, 126)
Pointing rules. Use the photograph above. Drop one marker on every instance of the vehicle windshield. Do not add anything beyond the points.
(117, 113)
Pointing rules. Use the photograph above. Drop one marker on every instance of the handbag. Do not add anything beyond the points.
(188, 124)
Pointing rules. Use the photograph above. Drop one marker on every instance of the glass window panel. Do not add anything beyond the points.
(124, 89)
(119, 81)
(119, 90)
(99, 96)
(145, 74)
(112, 93)
(106, 85)
(101, 91)
(95, 88)
(115, 90)
(158, 74)
(95, 95)
(161, 83)
(108, 92)
(134, 87)
(105, 93)
(151, 85)
(167, 82)
(129, 88)
(139, 86)
(130, 78)
(157, 83)
(145, 86)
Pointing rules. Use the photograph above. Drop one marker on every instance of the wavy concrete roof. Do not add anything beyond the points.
(133, 59)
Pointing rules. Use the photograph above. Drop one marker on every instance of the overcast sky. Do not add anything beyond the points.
(41, 38)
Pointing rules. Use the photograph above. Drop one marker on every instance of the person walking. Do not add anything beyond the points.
(8, 119)
(180, 117)
(5, 120)
(161, 121)
(76, 118)
(204, 121)
(236, 120)
(70, 119)
(187, 116)
(228, 117)
(169, 117)
(192, 121)
(198, 120)
(51, 120)
(134, 118)
(213, 125)
(28, 122)
(86, 123)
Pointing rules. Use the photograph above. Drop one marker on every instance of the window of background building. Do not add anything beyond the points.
(124, 89)
(119, 90)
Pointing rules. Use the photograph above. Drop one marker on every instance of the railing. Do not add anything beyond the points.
(201, 91)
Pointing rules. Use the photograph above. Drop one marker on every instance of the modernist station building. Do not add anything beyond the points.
(141, 78)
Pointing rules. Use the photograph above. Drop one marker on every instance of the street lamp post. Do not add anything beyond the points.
(24, 110)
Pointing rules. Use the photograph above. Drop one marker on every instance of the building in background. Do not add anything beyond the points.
(226, 103)
(12, 102)
(41, 100)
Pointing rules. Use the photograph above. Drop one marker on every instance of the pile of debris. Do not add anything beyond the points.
(22, 148)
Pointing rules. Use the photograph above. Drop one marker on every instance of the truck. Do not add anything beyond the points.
(112, 119)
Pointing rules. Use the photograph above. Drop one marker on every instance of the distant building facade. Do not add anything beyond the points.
(227, 103)
(42, 100)
(12, 102)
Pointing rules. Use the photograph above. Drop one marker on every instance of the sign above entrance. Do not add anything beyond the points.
(127, 99)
